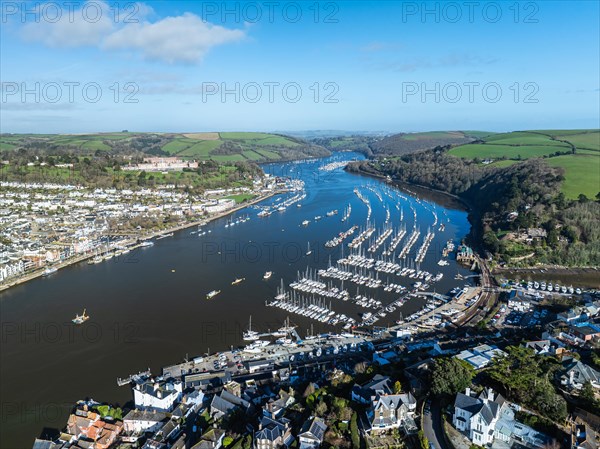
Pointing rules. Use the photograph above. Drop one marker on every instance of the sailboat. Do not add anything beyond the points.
(80, 319)
(308, 251)
(250, 335)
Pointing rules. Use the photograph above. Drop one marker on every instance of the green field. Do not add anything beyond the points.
(582, 174)
(491, 151)
(589, 141)
(241, 197)
(523, 138)
(434, 135)
(582, 169)
(201, 149)
(244, 136)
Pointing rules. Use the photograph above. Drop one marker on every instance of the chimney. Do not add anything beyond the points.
(490, 394)
(468, 391)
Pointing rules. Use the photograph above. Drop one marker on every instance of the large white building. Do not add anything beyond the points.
(157, 395)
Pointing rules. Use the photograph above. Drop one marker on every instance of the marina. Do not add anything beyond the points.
(149, 304)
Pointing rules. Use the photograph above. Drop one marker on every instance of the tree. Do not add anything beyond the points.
(354, 435)
(450, 376)
(423, 440)
(587, 392)
(397, 387)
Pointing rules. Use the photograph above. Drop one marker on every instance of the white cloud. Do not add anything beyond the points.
(185, 38)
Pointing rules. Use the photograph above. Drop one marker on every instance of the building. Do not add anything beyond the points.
(161, 395)
(576, 373)
(379, 385)
(312, 433)
(480, 356)
(137, 422)
(488, 417)
(273, 434)
(391, 411)
(160, 164)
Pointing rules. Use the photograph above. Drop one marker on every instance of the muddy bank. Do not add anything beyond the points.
(577, 277)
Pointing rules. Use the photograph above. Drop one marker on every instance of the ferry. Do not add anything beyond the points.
(50, 270)
(146, 244)
(212, 294)
(238, 281)
(80, 319)
(268, 275)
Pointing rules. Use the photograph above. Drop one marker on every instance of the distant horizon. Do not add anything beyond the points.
(302, 131)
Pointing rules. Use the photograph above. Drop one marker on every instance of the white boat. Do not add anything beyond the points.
(238, 281)
(267, 275)
(250, 335)
(50, 270)
(308, 251)
(212, 294)
(80, 319)
(146, 243)
(305, 223)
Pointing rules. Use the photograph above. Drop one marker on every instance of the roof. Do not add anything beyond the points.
(314, 430)
(145, 415)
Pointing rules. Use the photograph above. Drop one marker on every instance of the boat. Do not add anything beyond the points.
(50, 270)
(308, 251)
(163, 236)
(305, 223)
(146, 243)
(80, 319)
(238, 281)
(250, 335)
(212, 294)
(268, 275)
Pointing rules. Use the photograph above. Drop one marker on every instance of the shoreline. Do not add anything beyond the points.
(140, 238)
(550, 270)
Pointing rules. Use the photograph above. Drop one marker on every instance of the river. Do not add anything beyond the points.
(149, 309)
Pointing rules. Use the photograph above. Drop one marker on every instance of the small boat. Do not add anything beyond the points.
(268, 275)
(146, 244)
(308, 251)
(238, 281)
(305, 223)
(212, 294)
(50, 270)
(80, 319)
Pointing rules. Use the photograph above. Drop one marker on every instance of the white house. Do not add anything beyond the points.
(489, 416)
(139, 421)
(157, 395)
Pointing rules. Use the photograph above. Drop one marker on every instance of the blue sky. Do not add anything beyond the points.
(353, 66)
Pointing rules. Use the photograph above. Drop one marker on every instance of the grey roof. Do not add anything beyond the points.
(581, 372)
(145, 415)
(314, 429)
(270, 429)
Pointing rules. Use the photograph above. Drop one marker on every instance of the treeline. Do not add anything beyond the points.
(520, 196)
(360, 144)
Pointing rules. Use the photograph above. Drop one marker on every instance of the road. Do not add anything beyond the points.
(433, 426)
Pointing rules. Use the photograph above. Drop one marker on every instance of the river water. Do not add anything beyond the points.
(149, 309)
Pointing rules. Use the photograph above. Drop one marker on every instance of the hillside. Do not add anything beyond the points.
(220, 147)
(576, 151)
(399, 144)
